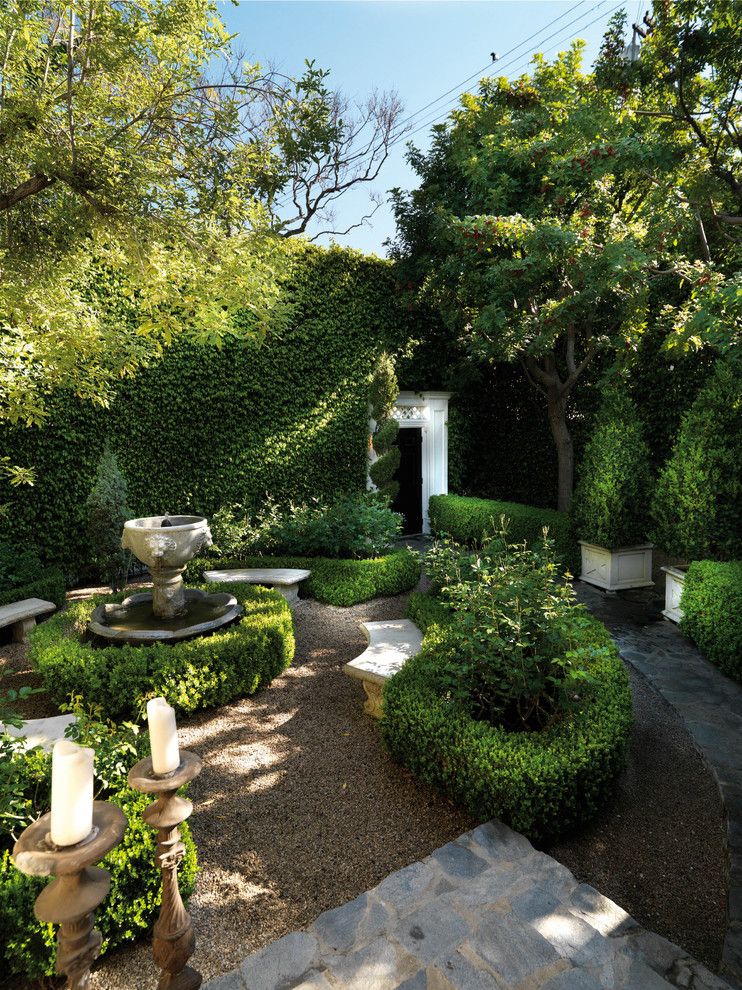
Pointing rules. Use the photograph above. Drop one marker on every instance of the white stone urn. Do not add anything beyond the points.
(674, 584)
(616, 570)
(166, 544)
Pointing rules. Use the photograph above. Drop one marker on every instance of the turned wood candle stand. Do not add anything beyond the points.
(79, 887)
(173, 942)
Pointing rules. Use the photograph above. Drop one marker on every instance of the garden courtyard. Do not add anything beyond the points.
(370, 622)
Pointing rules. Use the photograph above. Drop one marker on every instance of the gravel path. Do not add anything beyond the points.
(299, 809)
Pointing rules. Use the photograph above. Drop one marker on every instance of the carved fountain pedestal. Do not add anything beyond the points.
(170, 611)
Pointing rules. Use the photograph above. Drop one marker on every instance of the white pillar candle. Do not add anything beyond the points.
(163, 736)
(72, 793)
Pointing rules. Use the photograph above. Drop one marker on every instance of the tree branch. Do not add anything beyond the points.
(28, 188)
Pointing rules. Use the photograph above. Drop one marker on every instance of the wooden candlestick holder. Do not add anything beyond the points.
(79, 887)
(173, 941)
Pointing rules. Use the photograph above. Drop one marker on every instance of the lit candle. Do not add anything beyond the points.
(72, 793)
(163, 736)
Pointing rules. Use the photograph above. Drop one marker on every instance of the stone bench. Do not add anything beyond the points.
(284, 579)
(42, 731)
(390, 646)
(22, 616)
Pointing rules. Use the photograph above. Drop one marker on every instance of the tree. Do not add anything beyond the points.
(141, 164)
(106, 512)
(550, 218)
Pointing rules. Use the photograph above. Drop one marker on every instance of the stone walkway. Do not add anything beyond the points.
(709, 704)
(485, 911)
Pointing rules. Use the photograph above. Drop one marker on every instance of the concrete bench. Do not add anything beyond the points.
(42, 731)
(390, 646)
(22, 616)
(284, 579)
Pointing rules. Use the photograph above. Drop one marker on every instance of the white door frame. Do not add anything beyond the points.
(429, 412)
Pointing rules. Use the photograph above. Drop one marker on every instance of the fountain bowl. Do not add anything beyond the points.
(172, 545)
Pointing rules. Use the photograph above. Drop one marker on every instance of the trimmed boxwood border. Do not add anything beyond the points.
(541, 784)
(335, 582)
(49, 586)
(193, 674)
(467, 520)
(712, 612)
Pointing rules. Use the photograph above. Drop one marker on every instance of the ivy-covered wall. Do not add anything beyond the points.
(203, 428)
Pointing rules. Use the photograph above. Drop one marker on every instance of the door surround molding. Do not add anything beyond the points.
(429, 412)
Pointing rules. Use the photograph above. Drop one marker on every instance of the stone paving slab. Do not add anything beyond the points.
(710, 706)
(485, 912)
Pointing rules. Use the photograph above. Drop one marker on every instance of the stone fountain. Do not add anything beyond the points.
(170, 611)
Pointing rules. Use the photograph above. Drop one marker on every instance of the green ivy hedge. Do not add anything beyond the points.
(539, 783)
(467, 520)
(131, 907)
(203, 428)
(49, 587)
(335, 582)
(712, 612)
(192, 674)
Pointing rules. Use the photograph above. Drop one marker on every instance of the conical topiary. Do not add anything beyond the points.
(106, 512)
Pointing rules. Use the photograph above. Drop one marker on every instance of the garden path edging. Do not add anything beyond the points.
(710, 706)
(484, 911)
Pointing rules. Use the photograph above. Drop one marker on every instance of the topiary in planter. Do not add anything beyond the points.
(697, 505)
(609, 505)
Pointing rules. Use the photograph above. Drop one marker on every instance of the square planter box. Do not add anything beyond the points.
(674, 584)
(615, 570)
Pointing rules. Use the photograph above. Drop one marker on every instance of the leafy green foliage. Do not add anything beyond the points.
(204, 428)
(28, 946)
(712, 612)
(360, 526)
(106, 512)
(50, 587)
(386, 457)
(335, 582)
(22, 575)
(382, 471)
(470, 520)
(696, 504)
(610, 500)
(211, 670)
(540, 783)
(513, 644)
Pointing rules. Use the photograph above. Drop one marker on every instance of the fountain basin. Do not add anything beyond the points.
(133, 621)
(172, 545)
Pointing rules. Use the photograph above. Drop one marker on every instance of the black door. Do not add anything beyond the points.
(409, 500)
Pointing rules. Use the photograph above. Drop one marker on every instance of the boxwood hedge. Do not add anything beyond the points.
(335, 582)
(49, 586)
(712, 612)
(540, 783)
(196, 673)
(467, 520)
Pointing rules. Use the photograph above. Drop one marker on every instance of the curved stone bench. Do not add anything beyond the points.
(285, 580)
(42, 732)
(390, 646)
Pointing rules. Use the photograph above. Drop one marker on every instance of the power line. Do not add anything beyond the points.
(489, 64)
(439, 116)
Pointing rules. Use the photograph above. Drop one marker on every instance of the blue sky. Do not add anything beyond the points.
(420, 49)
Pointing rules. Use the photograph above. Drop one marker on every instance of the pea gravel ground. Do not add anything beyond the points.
(299, 809)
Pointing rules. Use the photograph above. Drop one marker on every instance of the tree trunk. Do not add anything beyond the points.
(557, 405)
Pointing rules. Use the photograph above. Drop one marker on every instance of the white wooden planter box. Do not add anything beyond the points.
(674, 584)
(615, 570)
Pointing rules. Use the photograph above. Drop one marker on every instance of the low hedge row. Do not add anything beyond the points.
(49, 586)
(468, 520)
(196, 673)
(539, 783)
(712, 612)
(335, 582)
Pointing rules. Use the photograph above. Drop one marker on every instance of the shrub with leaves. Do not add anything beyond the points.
(106, 512)
(514, 651)
(27, 946)
(697, 504)
(360, 526)
(609, 506)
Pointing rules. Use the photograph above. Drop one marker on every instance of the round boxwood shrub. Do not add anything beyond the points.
(196, 673)
(610, 500)
(335, 582)
(696, 505)
(540, 783)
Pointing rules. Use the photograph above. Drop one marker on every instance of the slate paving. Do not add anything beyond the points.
(710, 705)
(485, 912)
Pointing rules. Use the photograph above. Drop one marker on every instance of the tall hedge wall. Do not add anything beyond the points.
(204, 427)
